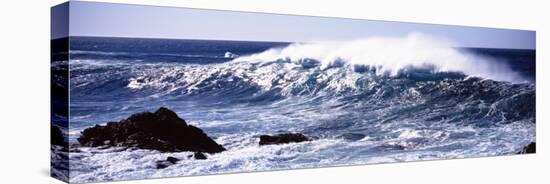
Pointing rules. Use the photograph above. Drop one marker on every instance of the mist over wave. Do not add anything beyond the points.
(392, 55)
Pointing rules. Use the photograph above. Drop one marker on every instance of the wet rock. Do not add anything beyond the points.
(530, 148)
(199, 156)
(162, 130)
(390, 146)
(282, 138)
(161, 164)
(172, 159)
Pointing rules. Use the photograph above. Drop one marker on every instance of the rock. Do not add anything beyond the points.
(282, 138)
(172, 159)
(389, 147)
(199, 156)
(56, 136)
(161, 164)
(530, 148)
(162, 130)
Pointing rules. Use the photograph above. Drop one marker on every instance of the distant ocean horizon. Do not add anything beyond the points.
(262, 41)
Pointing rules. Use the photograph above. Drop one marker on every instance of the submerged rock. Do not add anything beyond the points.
(162, 130)
(199, 156)
(172, 159)
(282, 138)
(530, 148)
(56, 136)
(161, 164)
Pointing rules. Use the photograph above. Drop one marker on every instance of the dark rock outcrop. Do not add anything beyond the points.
(282, 138)
(162, 130)
(172, 159)
(161, 164)
(530, 148)
(199, 156)
(389, 147)
(56, 136)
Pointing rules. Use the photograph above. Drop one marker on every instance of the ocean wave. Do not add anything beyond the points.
(391, 55)
(335, 68)
(248, 81)
(230, 55)
(350, 84)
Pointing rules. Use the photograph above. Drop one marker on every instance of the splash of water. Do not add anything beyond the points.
(391, 55)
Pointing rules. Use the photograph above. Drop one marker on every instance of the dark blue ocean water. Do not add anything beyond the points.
(460, 102)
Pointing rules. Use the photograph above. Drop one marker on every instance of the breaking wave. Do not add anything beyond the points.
(392, 56)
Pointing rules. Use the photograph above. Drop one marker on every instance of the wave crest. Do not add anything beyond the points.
(391, 55)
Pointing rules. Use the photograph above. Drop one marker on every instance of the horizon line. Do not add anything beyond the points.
(265, 41)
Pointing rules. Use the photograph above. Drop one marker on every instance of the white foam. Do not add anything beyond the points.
(230, 55)
(244, 154)
(391, 55)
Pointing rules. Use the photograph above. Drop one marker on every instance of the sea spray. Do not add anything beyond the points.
(392, 55)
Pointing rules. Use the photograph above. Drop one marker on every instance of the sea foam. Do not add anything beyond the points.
(391, 55)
